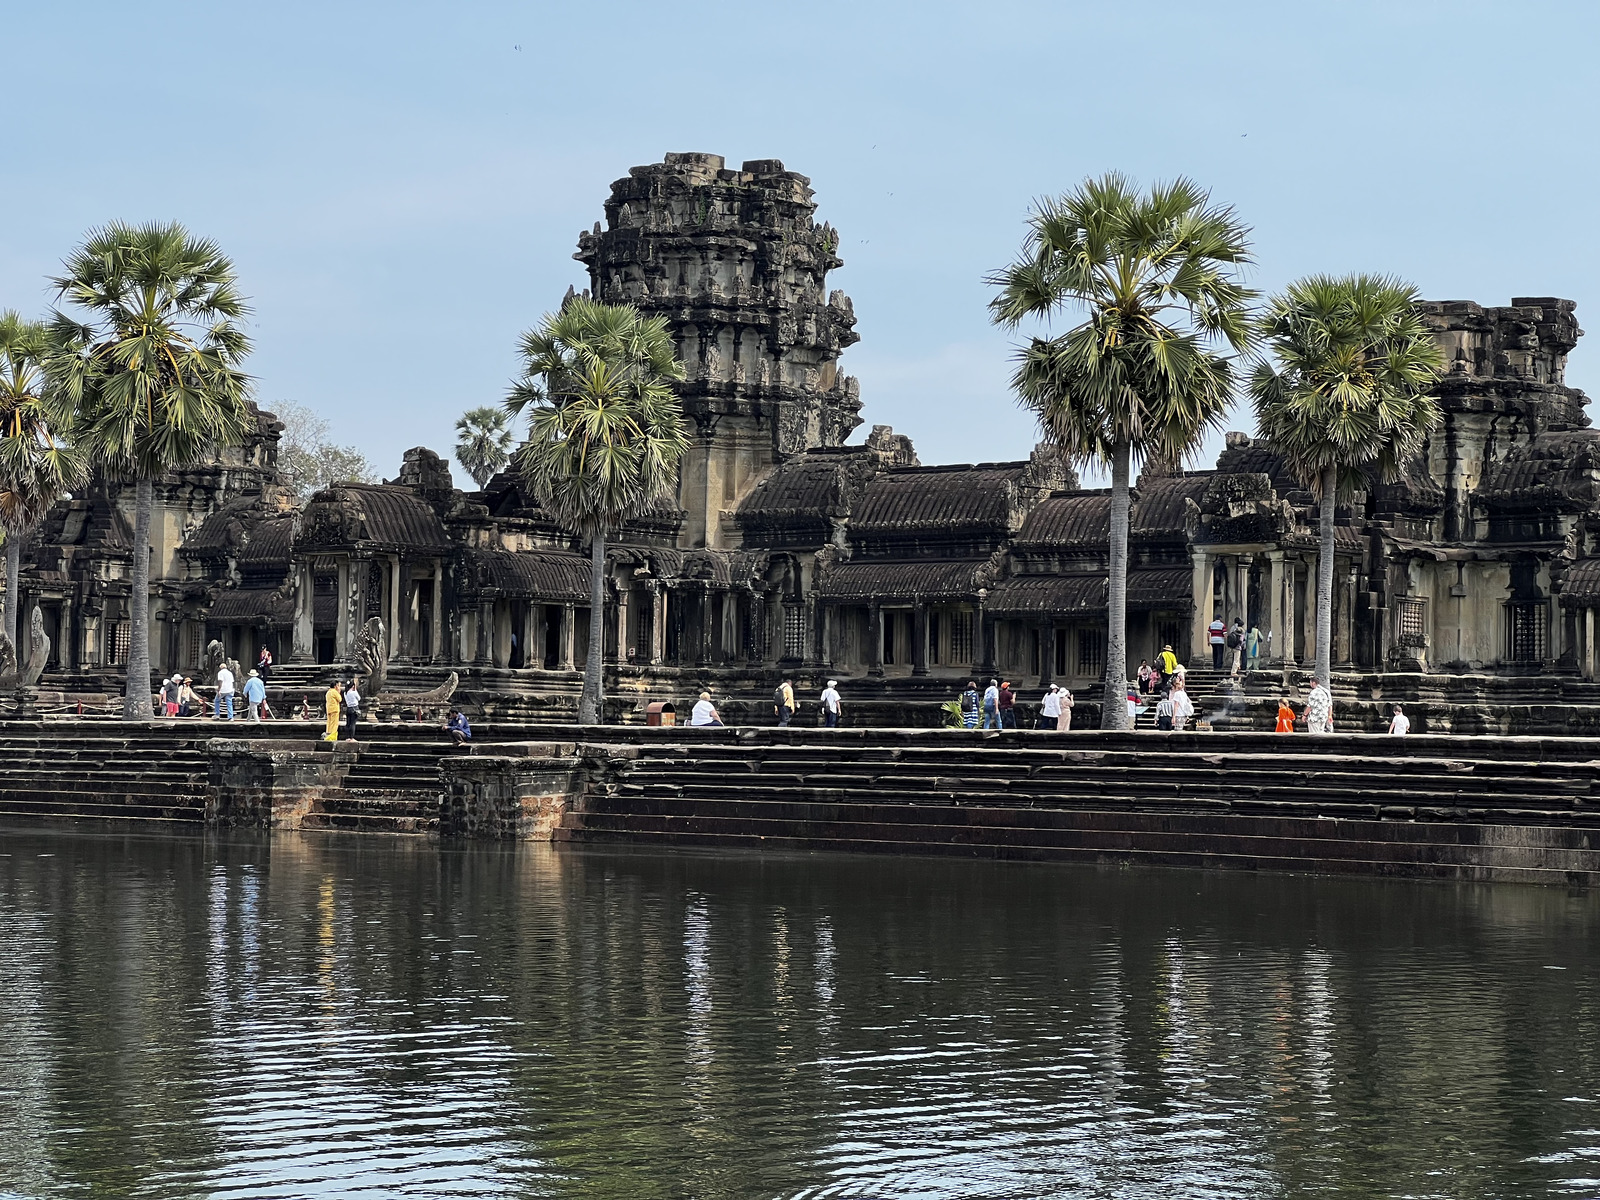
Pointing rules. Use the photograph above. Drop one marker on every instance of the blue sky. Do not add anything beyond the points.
(401, 186)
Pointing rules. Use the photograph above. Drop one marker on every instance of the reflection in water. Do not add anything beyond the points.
(300, 1016)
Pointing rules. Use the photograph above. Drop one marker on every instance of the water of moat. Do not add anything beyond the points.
(309, 1016)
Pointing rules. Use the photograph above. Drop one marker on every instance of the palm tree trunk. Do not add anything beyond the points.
(8, 621)
(1324, 668)
(136, 695)
(593, 699)
(1113, 707)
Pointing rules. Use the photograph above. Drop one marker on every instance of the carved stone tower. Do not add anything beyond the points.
(737, 265)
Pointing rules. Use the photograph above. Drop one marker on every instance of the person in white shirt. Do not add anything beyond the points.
(1401, 724)
(830, 704)
(1182, 706)
(1050, 709)
(1218, 631)
(705, 713)
(224, 693)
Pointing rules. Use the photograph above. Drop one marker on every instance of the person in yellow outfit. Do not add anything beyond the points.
(331, 700)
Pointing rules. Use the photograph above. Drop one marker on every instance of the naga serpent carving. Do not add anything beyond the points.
(372, 662)
(13, 677)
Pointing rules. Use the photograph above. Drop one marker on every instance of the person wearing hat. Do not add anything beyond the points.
(169, 694)
(1167, 664)
(1050, 708)
(255, 695)
(831, 706)
(188, 702)
(1006, 704)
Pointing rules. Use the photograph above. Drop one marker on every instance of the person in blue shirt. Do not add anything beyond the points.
(255, 694)
(460, 732)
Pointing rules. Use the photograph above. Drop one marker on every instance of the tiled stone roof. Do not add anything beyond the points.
(386, 516)
(947, 500)
(1043, 595)
(251, 606)
(534, 574)
(870, 580)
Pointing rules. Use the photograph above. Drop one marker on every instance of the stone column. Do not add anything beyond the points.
(569, 635)
(1047, 653)
(919, 638)
(658, 622)
(1199, 639)
(349, 599)
(704, 656)
(483, 656)
(624, 608)
(301, 647)
(437, 636)
(1344, 647)
(532, 643)
(1274, 653)
(874, 639)
(1291, 575)
(1588, 644)
(398, 640)
(67, 651)
(1242, 566)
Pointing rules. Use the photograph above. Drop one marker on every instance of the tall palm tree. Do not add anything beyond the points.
(483, 442)
(1151, 367)
(38, 462)
(605, 434)
(1347, 397)
(150, 371)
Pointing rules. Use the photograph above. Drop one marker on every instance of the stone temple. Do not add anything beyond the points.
(1468, 587)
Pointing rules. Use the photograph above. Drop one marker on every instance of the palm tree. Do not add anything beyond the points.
(1150, 368)
(1348, 397)
(605, 433)
(150, 373)
(483, 442)
(37, 461)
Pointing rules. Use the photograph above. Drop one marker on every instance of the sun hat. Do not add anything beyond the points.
(254, 674)
(833, 683)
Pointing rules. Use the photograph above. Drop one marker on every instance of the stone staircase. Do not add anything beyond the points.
(1203, 685)
(393, 786)
(1421, 806)
(99, 772)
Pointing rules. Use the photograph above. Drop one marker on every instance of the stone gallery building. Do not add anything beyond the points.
(1473, 579)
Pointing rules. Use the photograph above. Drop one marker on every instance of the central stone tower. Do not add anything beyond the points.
(737, 265)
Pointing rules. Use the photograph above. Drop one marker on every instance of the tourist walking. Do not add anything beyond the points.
(1146, 677)
(831, 704)
(704, 712)
(991, 705)
(458, 729)
(1218, 632)
(971, 703)
(1400, 724)
(224, 694)
(1285, 716)
(1253, 645)
(1050, 708)
(188, 702)
(264, 664)
(1319, 709)
(352, 709)
(1167, 663)
(783, 701)
(1006, 704)
(1182, 706)
(170, 688)
(1064, 721)
(255, 695)
(1236, 637)
(330, 707)
(1164, 713)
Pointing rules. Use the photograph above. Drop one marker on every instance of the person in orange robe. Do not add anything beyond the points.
(1285, 716)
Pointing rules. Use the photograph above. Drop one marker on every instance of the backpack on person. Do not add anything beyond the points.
(1234, 640)
(777, 696)
(969, 701)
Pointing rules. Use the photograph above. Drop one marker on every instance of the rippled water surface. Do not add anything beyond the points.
(307, 1016)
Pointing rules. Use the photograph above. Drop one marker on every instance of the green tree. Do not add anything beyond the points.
(308, 456)
(483, 442)
(145, 360)
(605, 434)
(1151, 367)
(38, 462)
(1345, 397)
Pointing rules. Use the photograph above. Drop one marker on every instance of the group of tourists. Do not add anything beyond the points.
(179, 699)
(1233, 645)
